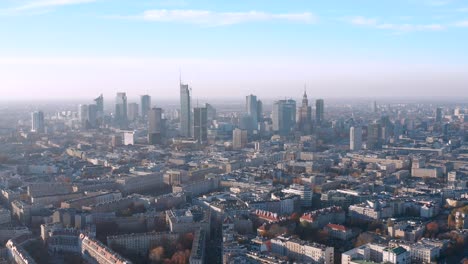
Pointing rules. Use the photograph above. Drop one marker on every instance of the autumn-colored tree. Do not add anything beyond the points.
(156, 254)
(432, 229)
(295, 217)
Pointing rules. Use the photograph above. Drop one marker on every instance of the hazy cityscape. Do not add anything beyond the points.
(235, 148)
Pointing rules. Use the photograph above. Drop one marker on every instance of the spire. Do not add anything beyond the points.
(180, 76)
(305, 91)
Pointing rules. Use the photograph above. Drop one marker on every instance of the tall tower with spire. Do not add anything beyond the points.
(305, 115)
(185, 109)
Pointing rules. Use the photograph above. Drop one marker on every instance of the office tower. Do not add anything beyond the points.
(259, 111)
(374, 136)
(375, 107)
(100, 103)
(121, 110)
(284, 116)
(305, 115)
(319, 111)
(83, 115)
(211, 112)
(239, 138)
(185, 111)
(251, 108)
(133, 111)
(145, 102)
(37, 122)
(155, 126)
(439, 114)
(200, 124)
(92, 116)
(355, 138)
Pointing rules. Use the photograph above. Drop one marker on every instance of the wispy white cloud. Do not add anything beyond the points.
(462, 9)
(41, 6)
(463, 23)
(374, 23)
(211, 18)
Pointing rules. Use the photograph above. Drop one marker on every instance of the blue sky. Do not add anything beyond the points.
(359, 48)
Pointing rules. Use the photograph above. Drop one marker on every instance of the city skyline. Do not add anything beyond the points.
(71, 48)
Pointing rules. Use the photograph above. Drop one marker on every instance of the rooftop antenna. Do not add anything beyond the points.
(180, 76)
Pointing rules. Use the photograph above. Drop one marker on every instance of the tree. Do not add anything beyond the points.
(156, 254)
(432, 229)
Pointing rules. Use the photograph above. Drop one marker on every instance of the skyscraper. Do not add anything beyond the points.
(239, 138)
(121, 110)
(284, 116)
(100, 103)
(185, 110)
(92, 116)
(439, 114)
(305, 115)
(211, 112)
(375, 107)
(259, 111)
(355, 138)
(37, 122)
(374, 136)
(200, 124)
(155, 126)
(319, 111)
(83, 115)
(145, 102)
(251, 108)
(133, 111)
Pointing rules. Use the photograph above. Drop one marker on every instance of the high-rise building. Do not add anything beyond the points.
(100, 103)
(211, 111)
(305, 115)
(374, 136)
(355, 138)
(92, 116)
(375, 108)
(121, 110)
(319, 111)
(439, 114)
(200, 124)
(259, 111)
(251, 107)
(145, 102)
(284, 116)
(37, 122)
(185, 110)
(133, 111)
(155, 126)
(239, 138)
(83, 115)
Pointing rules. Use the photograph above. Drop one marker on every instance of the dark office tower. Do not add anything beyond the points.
(37, 122)
(211, 111)
(100, 103)
(121, 110)
(305, 115)
(145, 102)
(200, 124)
(284, 116)
(185, 110)
(319, 111)
(132, 111)
(375, 107)
(439, 114)
(259, 111)
(92, 116)
(251, 108)
(155, 126)
(374, 136)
